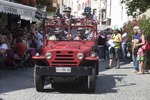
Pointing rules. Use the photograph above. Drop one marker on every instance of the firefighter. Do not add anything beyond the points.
(87, 14)
(67, 12)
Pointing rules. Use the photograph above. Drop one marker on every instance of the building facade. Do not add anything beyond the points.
(109, 13)
(12, 13)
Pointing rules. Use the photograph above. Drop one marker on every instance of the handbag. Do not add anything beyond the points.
(146, 46)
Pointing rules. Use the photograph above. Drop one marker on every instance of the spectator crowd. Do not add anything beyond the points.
(113, 44)
(14, 43)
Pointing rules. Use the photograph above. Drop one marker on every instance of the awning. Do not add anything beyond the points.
(18, 9)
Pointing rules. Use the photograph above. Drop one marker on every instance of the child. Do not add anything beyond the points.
(135, 41)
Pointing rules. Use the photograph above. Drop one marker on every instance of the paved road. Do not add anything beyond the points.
(112, 84)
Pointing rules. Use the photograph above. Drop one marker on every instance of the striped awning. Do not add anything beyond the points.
(18, 9)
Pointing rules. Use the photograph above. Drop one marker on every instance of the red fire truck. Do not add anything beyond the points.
(69, 53)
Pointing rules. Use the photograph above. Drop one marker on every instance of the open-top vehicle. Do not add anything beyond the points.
(66, 57)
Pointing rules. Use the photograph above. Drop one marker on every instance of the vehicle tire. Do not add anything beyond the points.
(91, 81)
(53, 85)
(96, 66)
(39, 83)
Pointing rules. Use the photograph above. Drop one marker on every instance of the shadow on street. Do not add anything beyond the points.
(107, 83)
(103, 64)
(16, 80)
(19, 80)
(104, 84)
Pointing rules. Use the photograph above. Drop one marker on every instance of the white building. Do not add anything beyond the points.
(147, 13)
(78, 6)
(116, 12)
(109, 13)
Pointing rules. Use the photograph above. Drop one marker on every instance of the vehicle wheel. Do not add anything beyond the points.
(96, 66)
(39, 83)
(91, 82)
(54, 85)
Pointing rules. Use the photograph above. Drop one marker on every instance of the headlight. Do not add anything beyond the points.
(37, 54)
(80, 55)
(48, 55)
(93, 54)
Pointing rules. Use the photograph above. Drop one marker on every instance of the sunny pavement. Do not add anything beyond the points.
(112, 84)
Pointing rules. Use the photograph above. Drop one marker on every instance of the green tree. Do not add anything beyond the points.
(43, 2)
(47, 3)
(136, 6)
(144, 24)
(39, 3)
(17, 1)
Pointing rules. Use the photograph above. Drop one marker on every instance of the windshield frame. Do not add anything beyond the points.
(72, 24)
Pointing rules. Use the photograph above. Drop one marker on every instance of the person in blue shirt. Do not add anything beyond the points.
(39, 38)
(87, 14)
(135, 49)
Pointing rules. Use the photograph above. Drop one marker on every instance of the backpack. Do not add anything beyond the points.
(146, 46)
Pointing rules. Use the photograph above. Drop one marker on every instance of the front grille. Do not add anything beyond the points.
(64, 58)
(68, 63)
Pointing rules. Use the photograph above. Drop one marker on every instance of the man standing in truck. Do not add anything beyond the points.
(67, 12)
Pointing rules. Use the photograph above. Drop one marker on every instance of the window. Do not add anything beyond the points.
(83, 6)
(94, 11)
(79, 7)
(103, 13)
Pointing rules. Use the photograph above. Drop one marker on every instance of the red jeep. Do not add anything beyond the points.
(69, 53)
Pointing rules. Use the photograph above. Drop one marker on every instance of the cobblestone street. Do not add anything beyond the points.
(112, 84)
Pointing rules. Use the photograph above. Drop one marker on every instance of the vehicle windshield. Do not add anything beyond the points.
(59, 29)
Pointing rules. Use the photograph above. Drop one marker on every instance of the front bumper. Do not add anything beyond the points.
(75, 71)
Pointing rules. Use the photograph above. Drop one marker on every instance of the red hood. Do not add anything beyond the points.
(68, 46)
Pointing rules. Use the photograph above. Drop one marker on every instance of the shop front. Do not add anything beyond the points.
(13, 13)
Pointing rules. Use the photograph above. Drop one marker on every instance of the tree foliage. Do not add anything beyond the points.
(39, 3)
(47, 3)
(144, 24)
(136, 6)
(43, 2)
(18, 1)
(25, 2)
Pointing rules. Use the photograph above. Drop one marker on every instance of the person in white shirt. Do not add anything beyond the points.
(67, 12)
(51, 35)
(81, 34)
(24, 38)
(3, 44)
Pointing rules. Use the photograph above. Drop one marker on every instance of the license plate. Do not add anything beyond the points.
(63, 69)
